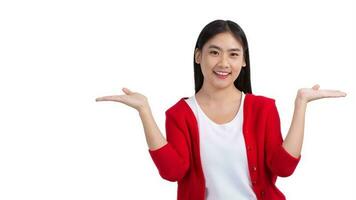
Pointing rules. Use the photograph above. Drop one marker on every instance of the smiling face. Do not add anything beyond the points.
(221, 60)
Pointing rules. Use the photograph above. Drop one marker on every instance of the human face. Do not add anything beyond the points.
(222, 53)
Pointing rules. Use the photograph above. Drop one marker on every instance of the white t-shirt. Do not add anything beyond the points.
(223, 156)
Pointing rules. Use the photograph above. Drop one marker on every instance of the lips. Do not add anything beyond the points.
(222, 75)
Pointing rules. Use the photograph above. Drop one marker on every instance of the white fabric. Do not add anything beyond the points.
(223, 155)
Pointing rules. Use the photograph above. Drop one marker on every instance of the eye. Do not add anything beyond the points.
(214, 52)
(235, 54)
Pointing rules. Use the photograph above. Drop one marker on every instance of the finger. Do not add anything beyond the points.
(333, 93)
(99, 99)
(316, 87)
(108, 98)
(102, 98)
(127, 91)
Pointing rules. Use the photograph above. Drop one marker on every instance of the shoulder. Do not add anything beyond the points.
(260, 101)
(178, 109)
(254, 101)
(259, 107)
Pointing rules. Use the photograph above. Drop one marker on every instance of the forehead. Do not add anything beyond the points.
(224, 40)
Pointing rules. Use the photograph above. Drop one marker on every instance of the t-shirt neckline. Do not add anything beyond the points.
(238, 114)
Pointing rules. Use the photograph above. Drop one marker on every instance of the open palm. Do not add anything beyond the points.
(311, 94)
(133, 99)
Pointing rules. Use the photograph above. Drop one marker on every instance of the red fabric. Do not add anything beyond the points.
(179, 160)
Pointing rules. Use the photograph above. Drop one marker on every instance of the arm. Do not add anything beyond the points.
(154, 137)
(284, 156)
(294, 139)
(170, 156)
(139, 102)
(279, 161)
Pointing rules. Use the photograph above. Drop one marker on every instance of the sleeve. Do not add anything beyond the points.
(172, 159)
(279, 161)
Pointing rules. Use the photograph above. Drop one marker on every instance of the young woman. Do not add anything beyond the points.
(224, 143)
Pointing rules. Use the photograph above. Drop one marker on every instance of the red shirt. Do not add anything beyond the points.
(179, 159)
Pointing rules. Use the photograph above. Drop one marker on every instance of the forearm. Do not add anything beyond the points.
(294, 139)
(154, 137)
(171, 159)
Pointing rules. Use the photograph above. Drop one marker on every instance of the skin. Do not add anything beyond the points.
(218, 54)
(220, 98)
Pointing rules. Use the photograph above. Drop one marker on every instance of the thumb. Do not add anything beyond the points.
(127, 91)
(316, 87)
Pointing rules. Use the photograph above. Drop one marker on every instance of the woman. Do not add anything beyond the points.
(224, 142)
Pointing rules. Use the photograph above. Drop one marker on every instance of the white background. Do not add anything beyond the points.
(56, 57)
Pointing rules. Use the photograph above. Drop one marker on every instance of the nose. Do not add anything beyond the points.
(224, 61)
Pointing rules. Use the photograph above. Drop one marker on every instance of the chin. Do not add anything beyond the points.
(223, 86)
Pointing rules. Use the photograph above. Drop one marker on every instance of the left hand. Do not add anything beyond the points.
(306, 95)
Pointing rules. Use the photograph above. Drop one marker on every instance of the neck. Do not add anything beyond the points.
(217, 95)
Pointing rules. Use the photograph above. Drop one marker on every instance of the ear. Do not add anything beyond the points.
(197, 55)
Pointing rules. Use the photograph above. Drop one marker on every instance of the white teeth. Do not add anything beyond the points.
(222, 73)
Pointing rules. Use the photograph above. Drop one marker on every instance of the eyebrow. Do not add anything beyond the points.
(214, 46)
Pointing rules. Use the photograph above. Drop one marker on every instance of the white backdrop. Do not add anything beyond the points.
(56, 57)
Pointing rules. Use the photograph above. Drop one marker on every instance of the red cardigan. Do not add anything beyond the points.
(179, 159)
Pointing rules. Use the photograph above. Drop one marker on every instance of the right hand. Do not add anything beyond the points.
(132, 99)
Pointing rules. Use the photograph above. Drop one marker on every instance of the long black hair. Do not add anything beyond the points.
(243, 81)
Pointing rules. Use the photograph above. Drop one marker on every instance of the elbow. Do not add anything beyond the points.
(175, 172)
(284, 172)
(283, 164)
(281, 170)
(171, 165)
